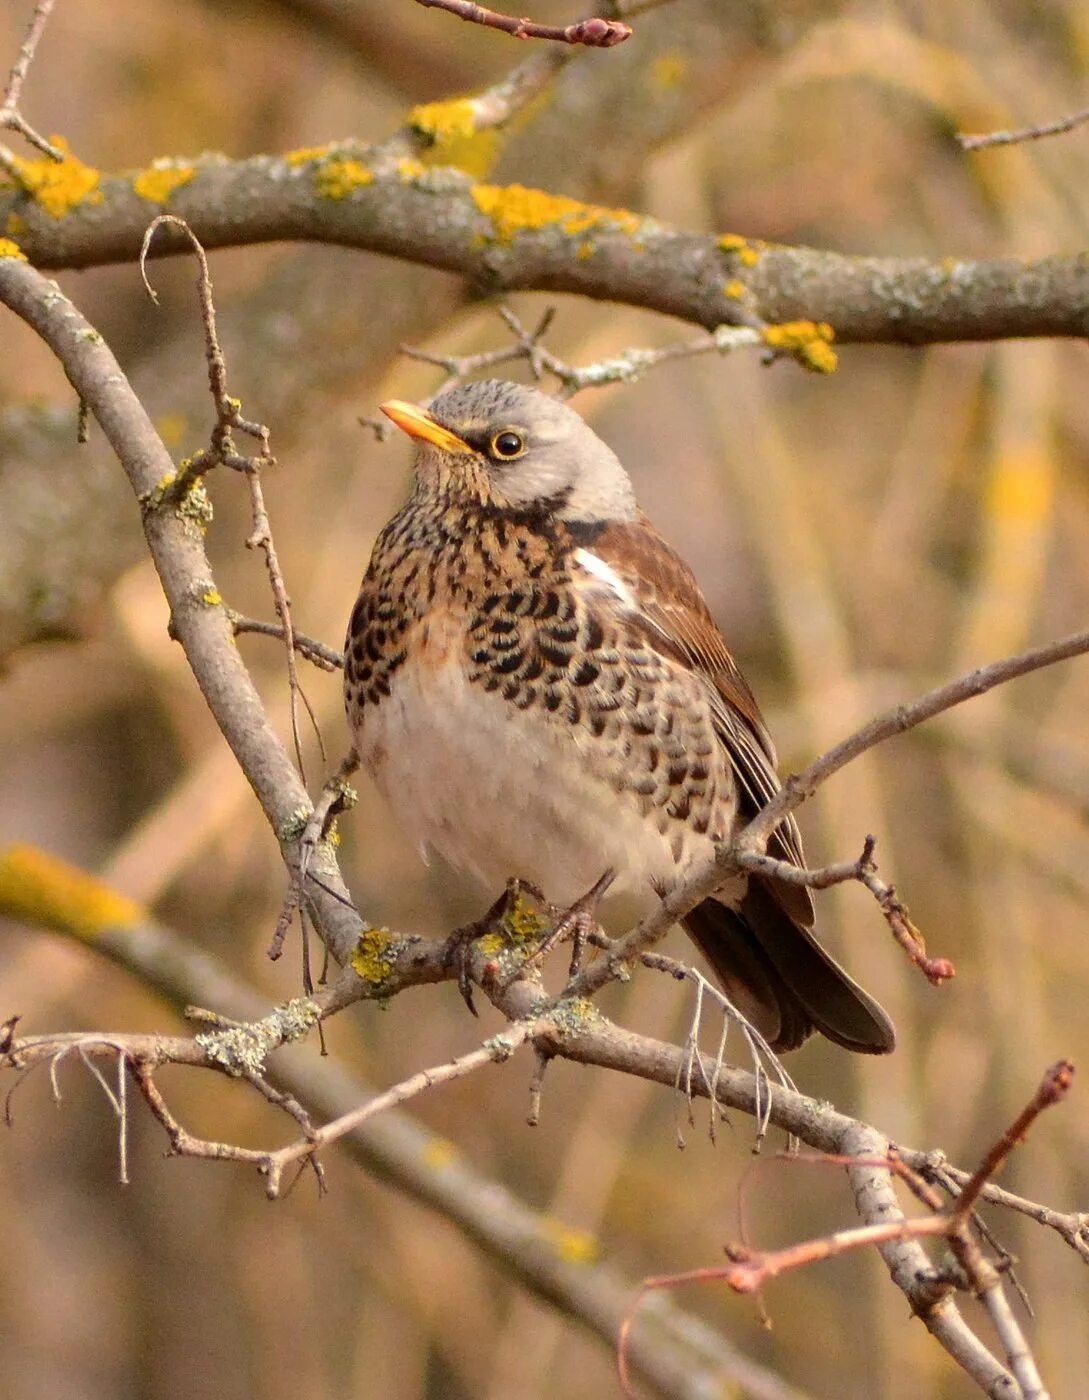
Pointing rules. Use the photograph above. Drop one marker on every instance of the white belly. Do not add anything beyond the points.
(500, 792)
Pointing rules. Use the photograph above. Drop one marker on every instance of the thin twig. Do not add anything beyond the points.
(494, 1051)
(623, 368)
(864, 870)
(594, 33)
(318, 652)
(11, 119)
(336, 796)
(1024, 133)
(799, 786)
(222, 451)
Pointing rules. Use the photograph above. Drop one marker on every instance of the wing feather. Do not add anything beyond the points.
(667, 603)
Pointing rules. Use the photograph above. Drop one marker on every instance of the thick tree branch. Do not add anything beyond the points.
(505, 238)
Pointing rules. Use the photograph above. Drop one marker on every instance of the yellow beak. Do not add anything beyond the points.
(418, 423)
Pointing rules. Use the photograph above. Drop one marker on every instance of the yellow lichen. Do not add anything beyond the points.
(810, 343)
(514, 209)
(439, 1152)
(58, 186)
(669, 69)
(8, 249)
(409, 169)
(341, 176)
(523, 919)
(453, 138)
(16, 225)
(158, 182)
(38, 888)
(744, 250)
(445, 121)
(491, 944)
(305, 154)
(734, 290)
(211, 598)
(576, 1246)
(373, 958)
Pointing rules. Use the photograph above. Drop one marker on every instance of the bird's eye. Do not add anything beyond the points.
(508, 444)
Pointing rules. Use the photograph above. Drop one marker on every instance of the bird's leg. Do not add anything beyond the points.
(457, 953)
(579, 923)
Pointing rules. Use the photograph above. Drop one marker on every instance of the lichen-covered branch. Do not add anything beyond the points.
(509, 237)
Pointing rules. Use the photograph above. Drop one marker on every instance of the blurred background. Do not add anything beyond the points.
(860, 538)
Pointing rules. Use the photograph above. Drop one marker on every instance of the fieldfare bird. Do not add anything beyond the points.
(534, 681)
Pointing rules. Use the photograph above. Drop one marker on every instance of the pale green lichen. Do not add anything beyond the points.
(244, 1049)
(574, 1015)
(194, 508)
(294, 824)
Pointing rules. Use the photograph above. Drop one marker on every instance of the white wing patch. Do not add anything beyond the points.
(607, 575)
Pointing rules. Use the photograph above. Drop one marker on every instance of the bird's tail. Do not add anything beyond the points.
(781, 977)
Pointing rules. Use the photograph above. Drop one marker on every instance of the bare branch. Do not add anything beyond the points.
(809, 344)
(1024, 133)
(864, 870)
(494, 1051)
(799, 786)
(319, 653)
(749, 1270)
(11, 118)
(594, 33)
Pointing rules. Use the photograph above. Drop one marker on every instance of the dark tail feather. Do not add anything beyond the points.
(783, 979)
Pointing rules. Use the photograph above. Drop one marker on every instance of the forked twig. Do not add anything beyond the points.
(747, 1270)
(11, 119)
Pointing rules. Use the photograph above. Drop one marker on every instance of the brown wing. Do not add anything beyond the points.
(678, 622)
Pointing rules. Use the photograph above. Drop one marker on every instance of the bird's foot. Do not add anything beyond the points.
(458, 952)
(577, 923)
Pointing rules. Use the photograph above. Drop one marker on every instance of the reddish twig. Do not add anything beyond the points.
(748, 1270)
(594, 33)
(864, 870)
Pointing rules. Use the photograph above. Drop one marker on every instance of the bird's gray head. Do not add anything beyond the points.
(511, 447)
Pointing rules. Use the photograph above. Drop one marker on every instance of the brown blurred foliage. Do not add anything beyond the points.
(860, 538)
